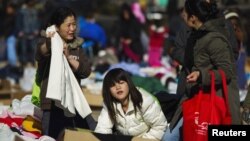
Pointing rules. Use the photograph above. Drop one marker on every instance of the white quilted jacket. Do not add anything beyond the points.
(150, 123)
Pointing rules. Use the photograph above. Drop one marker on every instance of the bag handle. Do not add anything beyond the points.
(224, 85)
(225, 90)
(213, 91)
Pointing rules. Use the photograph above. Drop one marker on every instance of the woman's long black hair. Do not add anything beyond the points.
(204, 10)
(114, 76)
(60, 14)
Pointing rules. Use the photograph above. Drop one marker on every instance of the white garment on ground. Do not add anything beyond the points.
(25, 107)
(5, 133)
(8, 135)
(27, 80)
(62, 85)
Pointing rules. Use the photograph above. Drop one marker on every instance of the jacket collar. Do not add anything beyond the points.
(120, 110)
(213, 25)
(76, 42)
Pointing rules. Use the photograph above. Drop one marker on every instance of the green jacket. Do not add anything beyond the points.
(211, 52)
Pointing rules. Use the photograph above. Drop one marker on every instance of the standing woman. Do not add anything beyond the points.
(210, 50)
(54, 120)
(129, 36)
(207, 49)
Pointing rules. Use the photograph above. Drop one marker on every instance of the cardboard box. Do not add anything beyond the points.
(71, 135)
(5, 101)
(95, 102)
(5, 92)
(93, 99)
(85, 135)
(18, 138)
(9, 92)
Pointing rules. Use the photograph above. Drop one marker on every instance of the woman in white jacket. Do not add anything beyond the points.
(132, 111)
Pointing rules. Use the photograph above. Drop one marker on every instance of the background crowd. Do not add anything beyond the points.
(136, 35)
(143, 35)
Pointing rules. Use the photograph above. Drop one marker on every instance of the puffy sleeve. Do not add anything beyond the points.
(153, 116)
(104, 124)
(220, 56)
(43, 48)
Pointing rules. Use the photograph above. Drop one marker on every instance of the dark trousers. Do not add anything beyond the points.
(54, 121)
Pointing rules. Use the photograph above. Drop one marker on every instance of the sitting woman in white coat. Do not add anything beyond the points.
(130, 110)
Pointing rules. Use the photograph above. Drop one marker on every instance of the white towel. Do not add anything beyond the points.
(62, 85)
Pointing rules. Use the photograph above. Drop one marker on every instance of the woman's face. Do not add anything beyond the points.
(120, 90)
(186, 18)
(68, 28)
(238, 31)
(191, 21)
(10, 10)
(126, 14)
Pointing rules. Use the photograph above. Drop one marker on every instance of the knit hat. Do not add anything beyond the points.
(230, 14)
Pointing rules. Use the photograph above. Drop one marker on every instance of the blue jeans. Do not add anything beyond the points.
(11, 50)
(175, 134)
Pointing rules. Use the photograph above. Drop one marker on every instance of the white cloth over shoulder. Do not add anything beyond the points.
(62, 85)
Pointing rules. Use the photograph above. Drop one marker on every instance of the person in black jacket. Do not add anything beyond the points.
(128, 36)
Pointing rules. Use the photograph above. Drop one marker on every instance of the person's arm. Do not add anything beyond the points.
(219, 52)
(73, 63)
(43, 48)
(178, 49)
(104, 124)
(83, 68)
(153, 117)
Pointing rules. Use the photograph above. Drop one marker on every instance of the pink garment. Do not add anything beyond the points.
(10, 119)
(136, 9)
(157, 36)
(154, 59)
(27, 134)
(129, 53)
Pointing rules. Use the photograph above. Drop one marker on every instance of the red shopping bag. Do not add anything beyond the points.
(205, 109)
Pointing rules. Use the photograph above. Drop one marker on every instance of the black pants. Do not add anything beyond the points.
(54, 121)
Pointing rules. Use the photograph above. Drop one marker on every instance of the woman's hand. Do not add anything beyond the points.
(193, 76)
(50, 34)
(126, 40)
(65, 50)
(73, 62)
